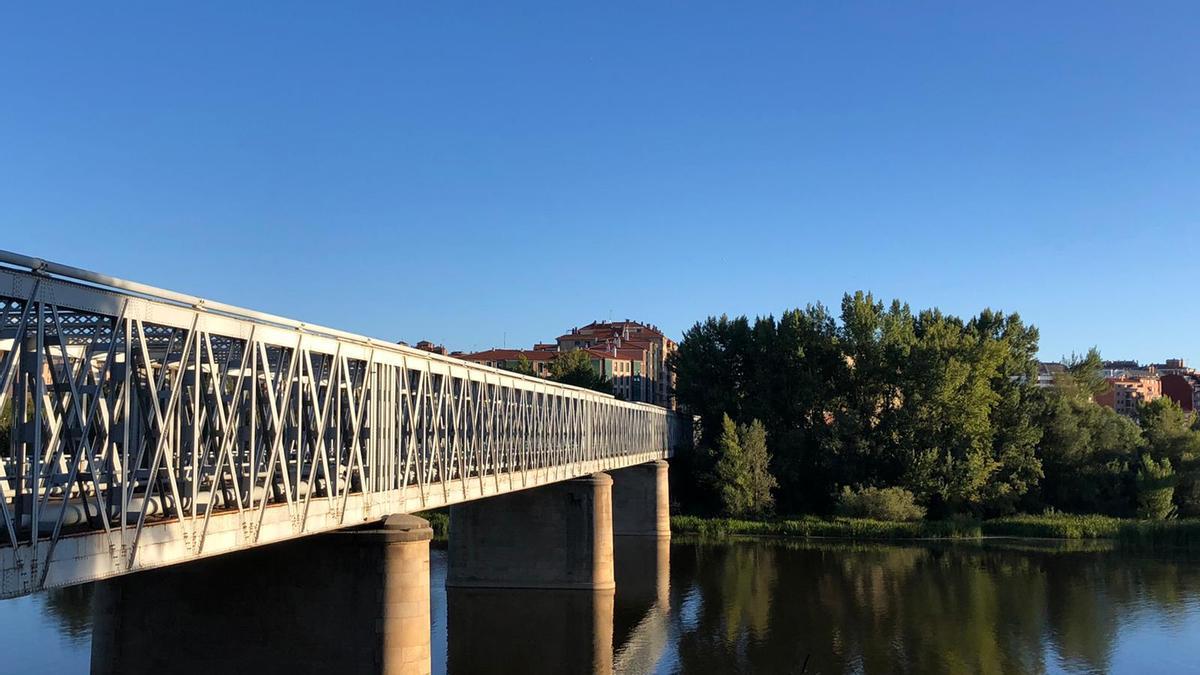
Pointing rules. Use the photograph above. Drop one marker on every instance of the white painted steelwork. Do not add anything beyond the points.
(151, 428)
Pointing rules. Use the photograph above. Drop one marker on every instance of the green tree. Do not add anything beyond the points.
(760, 483)
(877, 396)
(1015, 435)
(710, 365)
(575, 368)
(6, 423)
(1088, 453)
(742, 475)
(1170, 434)
(731, 475)
(1085, 373)
(1155, 488)
(523, 366)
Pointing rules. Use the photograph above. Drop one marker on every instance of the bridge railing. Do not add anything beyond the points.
(160, 427)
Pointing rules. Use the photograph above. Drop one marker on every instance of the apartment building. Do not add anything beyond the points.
(508, 359)
(632, 355)
(1127, 392)
(1047, 371)
(1180, 384)
(636, 352)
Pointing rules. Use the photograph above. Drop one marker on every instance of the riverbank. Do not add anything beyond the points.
(1154, 533)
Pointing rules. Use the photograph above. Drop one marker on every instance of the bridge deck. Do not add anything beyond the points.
(151, 428)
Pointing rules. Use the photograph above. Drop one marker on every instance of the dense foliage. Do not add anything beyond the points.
(523, 366)
(575, 367)
(6, 422)
(742, 473)
(892, 504)
(947, 409)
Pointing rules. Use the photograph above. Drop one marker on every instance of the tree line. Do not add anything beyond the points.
(946, 410)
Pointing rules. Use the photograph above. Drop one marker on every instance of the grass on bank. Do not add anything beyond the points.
(1147, 533)
(813, 526)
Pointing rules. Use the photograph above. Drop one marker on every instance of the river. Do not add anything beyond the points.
(744, 605)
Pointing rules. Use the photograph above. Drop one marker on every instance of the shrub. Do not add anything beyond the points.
(1155, 489)
(892, 504)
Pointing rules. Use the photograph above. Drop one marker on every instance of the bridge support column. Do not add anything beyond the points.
(641, 502)
(404, 624)
(556, 536)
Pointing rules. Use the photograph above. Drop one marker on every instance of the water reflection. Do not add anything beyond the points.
(71, 610)
(698, 607)
(546, 631)
(521, 631)
(313, 605)
(767, 606)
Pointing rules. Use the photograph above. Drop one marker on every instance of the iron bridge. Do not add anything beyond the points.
(146, 427)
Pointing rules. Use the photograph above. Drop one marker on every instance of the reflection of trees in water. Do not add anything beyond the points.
(71, 609)
(736, 584)
(920, 609)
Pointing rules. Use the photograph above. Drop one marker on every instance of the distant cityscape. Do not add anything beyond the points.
(633, 356)
(630, 354)
(1132, 384)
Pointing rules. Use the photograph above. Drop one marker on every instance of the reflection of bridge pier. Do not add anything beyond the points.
(353, 602)
(547, 558)
(642, 551)
(507, 630)
(643, 567)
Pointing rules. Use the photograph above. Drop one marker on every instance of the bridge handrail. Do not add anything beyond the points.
(44, 267)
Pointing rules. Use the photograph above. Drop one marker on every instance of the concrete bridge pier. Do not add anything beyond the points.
(559, 536)
(642, 554)
(556, 539)
(641, 501)
(642, 527)
(404, 624)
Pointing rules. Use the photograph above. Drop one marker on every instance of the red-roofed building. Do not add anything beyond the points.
(632, 355)
(1126, 394)
(508, 359)
(636, 360)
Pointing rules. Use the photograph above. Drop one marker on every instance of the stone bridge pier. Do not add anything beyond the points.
(559, 536)
(584, 561)
(562, 540)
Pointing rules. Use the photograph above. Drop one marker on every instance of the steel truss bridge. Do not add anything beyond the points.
(149, 428)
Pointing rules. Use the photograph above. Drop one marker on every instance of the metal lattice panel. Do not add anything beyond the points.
(149, 430)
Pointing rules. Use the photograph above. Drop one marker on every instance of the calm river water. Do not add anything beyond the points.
(751, 606)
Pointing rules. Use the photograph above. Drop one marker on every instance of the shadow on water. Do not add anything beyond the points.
(529, 631)
(306, 606)
(314, 606)
(71, 610)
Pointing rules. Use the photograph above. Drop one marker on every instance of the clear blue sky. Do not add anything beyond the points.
(468, 173)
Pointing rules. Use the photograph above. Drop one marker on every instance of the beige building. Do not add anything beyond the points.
(634, 355)
(1126, 393)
